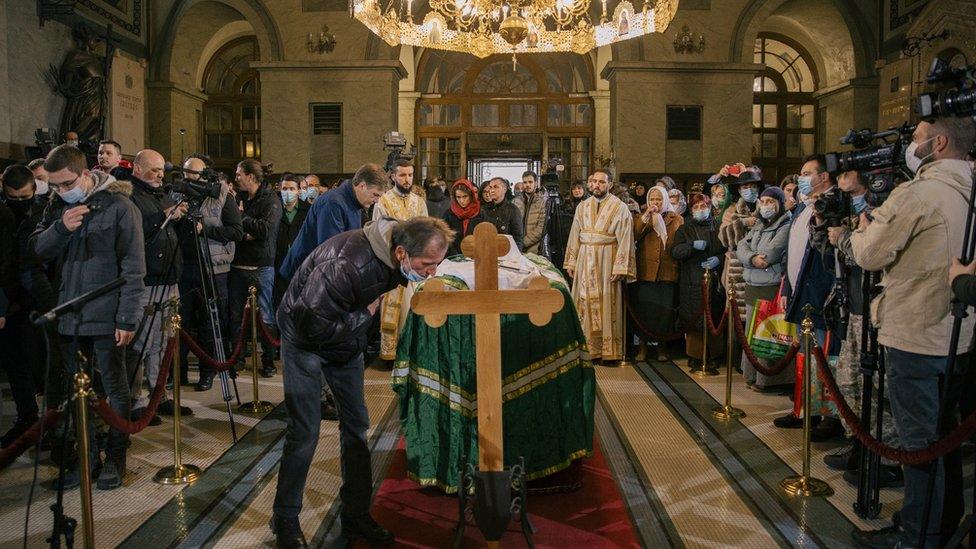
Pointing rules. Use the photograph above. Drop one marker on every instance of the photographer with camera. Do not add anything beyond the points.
(912, 238)
(219, 219)
(532, 206)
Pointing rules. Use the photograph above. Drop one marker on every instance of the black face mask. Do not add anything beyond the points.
(20, 208)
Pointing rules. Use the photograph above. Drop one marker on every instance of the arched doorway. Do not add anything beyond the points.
(232, 111)
(474, 111)
(784, 112)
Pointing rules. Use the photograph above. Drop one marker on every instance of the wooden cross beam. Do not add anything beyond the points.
(487, 303)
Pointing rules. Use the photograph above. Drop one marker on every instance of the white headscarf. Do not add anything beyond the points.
(682, 203)
(657, 220)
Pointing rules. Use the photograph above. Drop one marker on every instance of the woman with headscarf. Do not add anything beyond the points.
(762, 253)
(720, 199)
(639, 193)
(464, 214)
(653, 297)
(696, 245)
(679, 203)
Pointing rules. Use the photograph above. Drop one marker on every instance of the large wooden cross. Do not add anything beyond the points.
(487, 303)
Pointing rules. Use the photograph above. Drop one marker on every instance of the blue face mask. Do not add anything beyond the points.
(409, 273)
(750, 195)
(767, 212)
(701, 215)
(289, 196)
(859, 203)
(311, 193)
(804, 184)
(73, 196)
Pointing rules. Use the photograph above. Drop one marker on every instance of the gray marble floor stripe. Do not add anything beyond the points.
(651, 520)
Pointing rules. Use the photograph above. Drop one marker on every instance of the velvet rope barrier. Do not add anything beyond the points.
(266, 333)
(210, 361)
(124, 425)
(648, 333)
(29, 438)
(953, 440)
(707, 312)
(759, 364)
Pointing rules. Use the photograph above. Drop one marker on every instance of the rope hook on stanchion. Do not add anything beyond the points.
(257, 406)
(728, 411)
(82, 390)
(804, 485)
(706, 369)
(178, 473)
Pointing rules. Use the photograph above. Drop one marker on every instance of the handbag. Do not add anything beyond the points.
(770, 334)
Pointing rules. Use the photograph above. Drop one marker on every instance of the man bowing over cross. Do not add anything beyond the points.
(600, 259)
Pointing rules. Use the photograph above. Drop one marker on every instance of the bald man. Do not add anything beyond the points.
(159, 214)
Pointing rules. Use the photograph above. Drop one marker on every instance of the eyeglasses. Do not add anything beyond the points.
(64, 184)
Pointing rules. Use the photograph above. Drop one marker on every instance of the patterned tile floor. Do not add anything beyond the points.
(689, 480)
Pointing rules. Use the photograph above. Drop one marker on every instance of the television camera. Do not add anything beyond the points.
(396, 143)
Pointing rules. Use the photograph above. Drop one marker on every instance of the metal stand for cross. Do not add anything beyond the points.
(491, 485)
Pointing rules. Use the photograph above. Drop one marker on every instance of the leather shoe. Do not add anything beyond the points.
(889, 476)
(845, 460)
(287, 532)
(268, 369)
(365, 528)
(329, 412)
(136, 415)
(205, 383)
(829, 429)
(892, 536)
(789, 421)
(166, 409)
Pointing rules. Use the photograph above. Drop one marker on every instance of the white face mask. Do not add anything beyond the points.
(41, 187)
(911, 160)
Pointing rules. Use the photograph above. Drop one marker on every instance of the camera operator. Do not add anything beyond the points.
(163, 262)
(532, 208)
(94, 231)
(254, 256)
(912, 238)
(220, 221)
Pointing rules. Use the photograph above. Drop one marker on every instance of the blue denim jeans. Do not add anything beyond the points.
(303, 373)
(915, 398)
(266, 276)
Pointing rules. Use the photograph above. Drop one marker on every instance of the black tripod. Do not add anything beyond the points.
(868, 504)
(209, 290)
(557, 231)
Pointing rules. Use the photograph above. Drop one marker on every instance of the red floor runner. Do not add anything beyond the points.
(592, 517)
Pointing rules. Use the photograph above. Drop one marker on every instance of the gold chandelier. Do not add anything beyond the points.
(486, 27)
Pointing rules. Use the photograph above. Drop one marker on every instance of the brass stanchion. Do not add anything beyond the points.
(804, 485)
(705, 369)
(178, 473)
(727, 411)
(82, 384)
(257, 406)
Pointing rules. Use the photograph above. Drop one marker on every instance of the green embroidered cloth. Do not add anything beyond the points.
(548, 391)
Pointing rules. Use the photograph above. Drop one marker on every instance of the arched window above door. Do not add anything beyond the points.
(232, 112)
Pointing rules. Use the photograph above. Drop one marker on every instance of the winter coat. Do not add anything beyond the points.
(457, 225)
(438, 202)
(506, 219)
(108, 245)
(262, 214)
(332, 213)
(813, 283)
(912, 239)
(8, 268)
(690, 272)
(325, 308)
(287, 232)
(731, 231)
(767, 240)
(31, 287)
(163, 260)
(532, 208)
(654, 261)
(222, 226)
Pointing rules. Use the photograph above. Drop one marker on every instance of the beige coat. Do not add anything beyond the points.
(913, 238)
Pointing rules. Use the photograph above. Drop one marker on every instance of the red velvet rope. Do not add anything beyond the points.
(132, 427)
(707, 312)
(266, 333)
(29, 438)
(962, 433)
(648, 333)
(759, 364)
(210, 361)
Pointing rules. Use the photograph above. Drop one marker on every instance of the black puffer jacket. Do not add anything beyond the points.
(507, 219)
(163, 260)
(261, 217)
(325, 307)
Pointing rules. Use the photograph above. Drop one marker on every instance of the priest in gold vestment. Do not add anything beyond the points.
(400, 204)
(600, 258)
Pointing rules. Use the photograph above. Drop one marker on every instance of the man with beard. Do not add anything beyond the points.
(400, 204)
(600, 259)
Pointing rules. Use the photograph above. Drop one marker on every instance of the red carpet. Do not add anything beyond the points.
(592, 517)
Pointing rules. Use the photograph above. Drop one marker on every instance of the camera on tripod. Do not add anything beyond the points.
(957, 102)
(206, 185)
(396, 143)
(878, 156)
(552, 170)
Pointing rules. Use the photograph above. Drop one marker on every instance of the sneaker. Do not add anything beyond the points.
(889, 476)
(16, 430)
(111, 476)
(366, 529)
(287, 532)
(166, 409)
(72, 477)
(829, 429)
(892, 536)
(136, 415)
(329, 411)
(845, 460)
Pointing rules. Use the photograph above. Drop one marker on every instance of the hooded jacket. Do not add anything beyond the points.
(109, 244)
(325, 308)
(912, 239)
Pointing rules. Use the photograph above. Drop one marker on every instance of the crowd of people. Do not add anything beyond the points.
(334, 270)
